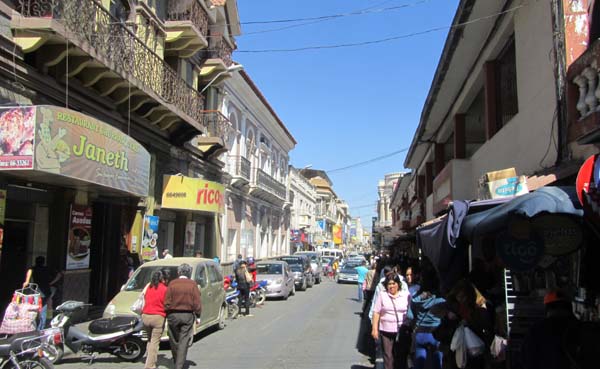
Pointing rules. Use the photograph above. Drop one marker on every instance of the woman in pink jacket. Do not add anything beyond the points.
(389, 311)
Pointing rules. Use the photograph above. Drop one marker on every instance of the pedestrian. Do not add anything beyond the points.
(237, 261)
(252, 269)
(388, 322)
(199, 254)
(183, 307)
(335, 266)
(166, 254)
(45, 278)
(551, 343)
(426, 312)
(362, 274)
(243, 279)
(411, 281)
(369, 287)
(153, 315)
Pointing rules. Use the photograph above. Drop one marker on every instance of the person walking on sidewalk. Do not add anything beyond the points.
(153, 316)
(183, 306)
(362, 274)
(244, 280)
(388, 322)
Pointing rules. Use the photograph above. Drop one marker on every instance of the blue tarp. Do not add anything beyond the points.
(553, 200)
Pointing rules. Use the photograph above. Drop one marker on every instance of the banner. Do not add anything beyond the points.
(181, 192)
(65, 142)
(150, 238)
(80, 237)
(337, 234)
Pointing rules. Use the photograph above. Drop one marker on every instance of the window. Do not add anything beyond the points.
(506, 84)
(213, 273)
(201, 275)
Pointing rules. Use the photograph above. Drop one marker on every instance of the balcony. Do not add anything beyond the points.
(240, 170)
(453, 182)
(217, 59)
(267, 188)
(187, 28)
(218, 133)
(81, 39)
(583, 96)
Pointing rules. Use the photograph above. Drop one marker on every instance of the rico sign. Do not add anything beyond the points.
(180, 192)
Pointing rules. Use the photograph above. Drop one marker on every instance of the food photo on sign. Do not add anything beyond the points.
(150, 238)
(80, 237)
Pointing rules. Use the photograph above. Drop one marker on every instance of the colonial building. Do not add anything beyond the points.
(112, 150)
(258, 206)
(327, 213)
(303, 197)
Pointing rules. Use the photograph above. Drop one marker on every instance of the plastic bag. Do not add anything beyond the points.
(475, 345)
(498, 348)
(458, 345)
(138, 304)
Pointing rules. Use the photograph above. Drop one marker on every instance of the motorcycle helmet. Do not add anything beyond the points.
(250, 260)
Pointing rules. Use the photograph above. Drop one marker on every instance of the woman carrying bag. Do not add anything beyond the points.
(153, 315)
(389, 311)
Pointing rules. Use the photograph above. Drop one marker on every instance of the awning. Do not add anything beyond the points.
(552, 200)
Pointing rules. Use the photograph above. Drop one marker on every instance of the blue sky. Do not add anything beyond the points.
(346, 105)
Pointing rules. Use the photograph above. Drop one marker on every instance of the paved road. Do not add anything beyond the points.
(314, 329)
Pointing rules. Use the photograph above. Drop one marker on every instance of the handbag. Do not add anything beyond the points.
(402, 329)
(138, 305)
(249, 278)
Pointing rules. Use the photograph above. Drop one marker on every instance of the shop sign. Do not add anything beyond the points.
(337, 234)
(150, 238)
(2, 215)
(560, 234)
(80, 237)
(62, 141)
(180, 192)
(519, 254)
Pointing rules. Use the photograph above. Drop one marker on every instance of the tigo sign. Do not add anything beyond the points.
(180, 192)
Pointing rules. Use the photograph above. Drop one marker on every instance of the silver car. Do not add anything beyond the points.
(280, 280)
(348, 274)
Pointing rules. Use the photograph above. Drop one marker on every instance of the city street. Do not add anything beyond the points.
(314, 329)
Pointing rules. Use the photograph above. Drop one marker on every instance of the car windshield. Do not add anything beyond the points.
(269, 269)
(142, 276)
(296, 268)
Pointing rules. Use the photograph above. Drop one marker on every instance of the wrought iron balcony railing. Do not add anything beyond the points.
(269, 184)
(241, 167)
(216, 124)
(189, 10)
(88, 24)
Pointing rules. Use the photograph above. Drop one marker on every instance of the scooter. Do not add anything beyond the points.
(258, 293)
(119, 336)
(232, 300)
(27, 350)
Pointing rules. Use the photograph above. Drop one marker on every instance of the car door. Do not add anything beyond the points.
(216, 291)
(201, 277)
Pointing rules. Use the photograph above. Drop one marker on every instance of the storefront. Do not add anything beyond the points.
(69, 187)
(189, 219)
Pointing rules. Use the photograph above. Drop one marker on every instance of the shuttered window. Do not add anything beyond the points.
(506, 77)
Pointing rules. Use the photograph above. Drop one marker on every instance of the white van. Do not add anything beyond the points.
(336, 253)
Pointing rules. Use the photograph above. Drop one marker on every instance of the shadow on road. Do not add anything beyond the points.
(164, 362)
(356, 366)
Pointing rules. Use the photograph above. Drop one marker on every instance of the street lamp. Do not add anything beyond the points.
(233, 68)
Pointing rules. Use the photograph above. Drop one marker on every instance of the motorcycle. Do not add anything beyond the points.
(258, 293)
(119, 336)
(27, 350)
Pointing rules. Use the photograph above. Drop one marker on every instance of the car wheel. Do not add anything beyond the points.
(222, 316)
(318, 279)
(304, 285)
(293, 290)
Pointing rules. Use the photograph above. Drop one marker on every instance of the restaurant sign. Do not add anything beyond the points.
(181, 192)
(61, 141)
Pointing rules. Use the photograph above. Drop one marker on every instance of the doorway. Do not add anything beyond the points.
(13, 258)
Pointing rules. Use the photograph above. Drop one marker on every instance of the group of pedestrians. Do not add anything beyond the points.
(177, 302)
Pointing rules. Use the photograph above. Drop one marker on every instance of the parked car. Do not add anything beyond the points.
(300, 267)
(348, 274)
(279, 277)
(205, 272)
(315, 263)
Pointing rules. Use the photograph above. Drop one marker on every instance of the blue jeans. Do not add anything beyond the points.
(360, 292)
(427, 349)
(42, 322)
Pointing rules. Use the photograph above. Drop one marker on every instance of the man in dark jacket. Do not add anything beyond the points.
(183, 306)
(243, 279)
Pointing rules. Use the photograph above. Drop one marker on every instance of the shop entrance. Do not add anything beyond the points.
(14, 257)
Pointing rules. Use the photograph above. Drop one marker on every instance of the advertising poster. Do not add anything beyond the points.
(337, 234)
(17, 133)
(2, 213)
(80, 237)
(180, 192)
(150, 238)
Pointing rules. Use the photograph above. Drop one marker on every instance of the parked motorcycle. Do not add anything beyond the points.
(119, 336)
(258, 293)
(27, 350)
(232, 300)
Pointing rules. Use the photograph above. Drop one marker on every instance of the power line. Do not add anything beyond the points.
(333, 16)
(367, 161)
(387, 39)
